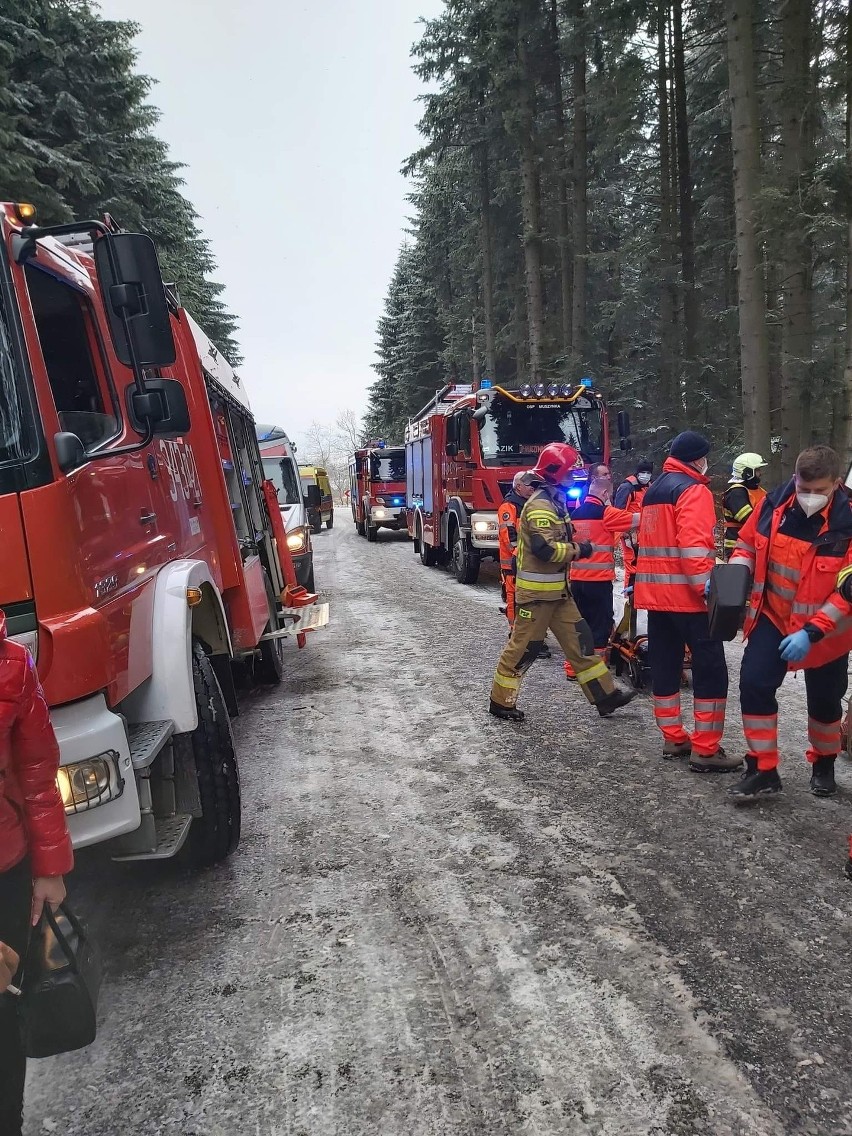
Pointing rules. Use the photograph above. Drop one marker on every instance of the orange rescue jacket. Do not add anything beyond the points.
(599, 524)
(810, 587)
(676, 541)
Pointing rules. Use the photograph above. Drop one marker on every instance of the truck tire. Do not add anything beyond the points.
(372, 532)
(216, 833)
(465, 559)
(329, 524)
(269, 667)
(316, 523)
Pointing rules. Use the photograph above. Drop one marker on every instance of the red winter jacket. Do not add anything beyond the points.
(677, 542)
(32, 816)
(811, 589)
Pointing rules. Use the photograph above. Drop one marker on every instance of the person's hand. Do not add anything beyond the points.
(46, 889)
(793, 648)
(628, 591)
(9, 962)
(584, 549)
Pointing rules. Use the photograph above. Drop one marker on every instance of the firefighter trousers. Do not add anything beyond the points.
(508, 582)
(669, 633)
(594, 600)
(762, 673)
(532, 622)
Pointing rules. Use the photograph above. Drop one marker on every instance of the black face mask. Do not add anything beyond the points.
(751, 482)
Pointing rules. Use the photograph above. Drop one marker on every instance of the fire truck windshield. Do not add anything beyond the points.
(281, 473)
(515, 433)
(15, 441)
(388, 466)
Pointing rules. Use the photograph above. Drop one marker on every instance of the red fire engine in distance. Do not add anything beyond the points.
(464, 448)
(377, 489)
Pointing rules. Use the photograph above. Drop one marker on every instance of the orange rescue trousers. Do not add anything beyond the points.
(532, 622)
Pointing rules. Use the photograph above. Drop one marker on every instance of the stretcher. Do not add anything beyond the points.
(627, 652)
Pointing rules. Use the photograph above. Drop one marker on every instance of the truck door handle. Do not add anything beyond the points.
(147, 518)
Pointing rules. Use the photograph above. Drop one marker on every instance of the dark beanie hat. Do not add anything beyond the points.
(689, 446)
(645, 467)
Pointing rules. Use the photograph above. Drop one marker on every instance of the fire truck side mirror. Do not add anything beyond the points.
(70, 452)
(163, 408)
(135, 300)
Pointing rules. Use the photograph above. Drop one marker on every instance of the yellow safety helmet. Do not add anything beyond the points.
(746, 465)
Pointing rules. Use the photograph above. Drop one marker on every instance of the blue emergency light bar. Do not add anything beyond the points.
(485, 384)
(586, 382)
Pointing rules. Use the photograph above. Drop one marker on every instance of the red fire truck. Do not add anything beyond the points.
(464, 448)
(377, 489)
(140, 559)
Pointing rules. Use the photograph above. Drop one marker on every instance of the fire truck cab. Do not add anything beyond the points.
(140, 560)
(464, 448)
(377, 489)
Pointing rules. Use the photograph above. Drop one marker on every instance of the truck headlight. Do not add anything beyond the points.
(85, 784)
(378, 514)
(297, 540)
(484, 526)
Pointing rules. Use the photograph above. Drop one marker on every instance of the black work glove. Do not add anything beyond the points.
(584, 549)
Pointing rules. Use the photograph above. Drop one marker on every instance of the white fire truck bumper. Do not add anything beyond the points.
(96, 777)
(388, 517)
(485, 531)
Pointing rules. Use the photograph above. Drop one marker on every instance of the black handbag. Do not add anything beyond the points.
(59, 989)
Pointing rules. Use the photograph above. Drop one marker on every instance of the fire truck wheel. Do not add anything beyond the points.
(465, 561)
(316, 524)
(372, 533)
(428, 555)
(216, 833)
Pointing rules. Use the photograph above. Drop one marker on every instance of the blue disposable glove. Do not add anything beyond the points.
(707, 590)
(794, 647)
(627, 592)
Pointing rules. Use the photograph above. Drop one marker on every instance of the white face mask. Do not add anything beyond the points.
(643, 478)
(811, 503)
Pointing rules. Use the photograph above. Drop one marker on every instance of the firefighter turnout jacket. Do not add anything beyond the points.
(738, 503)
(599, 524)
(676, 541)
(545, 547)
(797, 565)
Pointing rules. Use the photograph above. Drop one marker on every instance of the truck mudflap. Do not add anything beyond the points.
(300, 619)
(96, 777)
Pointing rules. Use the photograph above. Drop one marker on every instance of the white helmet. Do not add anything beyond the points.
(746, 465)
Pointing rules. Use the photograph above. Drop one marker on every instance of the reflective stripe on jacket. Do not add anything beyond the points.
(738, 503)
(676, 541)
(545, 548)
(810, 586)
(600, 525)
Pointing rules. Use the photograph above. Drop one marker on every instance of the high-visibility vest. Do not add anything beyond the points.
(599, 524)
(803, 585)
(676, 541)
(738, 503)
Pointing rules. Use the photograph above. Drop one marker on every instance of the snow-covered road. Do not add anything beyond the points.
(439, 924)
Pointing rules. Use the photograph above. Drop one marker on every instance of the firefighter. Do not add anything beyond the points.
(742, 497)
(523, 486)
(544, 551)
(798, 545)
(630, 495)
(599, 522)
(676, 556)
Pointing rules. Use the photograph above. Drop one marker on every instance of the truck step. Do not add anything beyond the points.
(171, 833)
(298, 619)
(146, 741)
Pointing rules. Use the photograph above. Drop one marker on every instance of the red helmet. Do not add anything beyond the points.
(555, 462)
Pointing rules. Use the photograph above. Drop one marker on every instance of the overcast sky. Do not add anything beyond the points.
(293, 120)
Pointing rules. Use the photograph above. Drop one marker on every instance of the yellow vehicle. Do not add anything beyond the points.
(315, 476)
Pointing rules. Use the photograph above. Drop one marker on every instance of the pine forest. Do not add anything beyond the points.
(77, 139)
(657, 195)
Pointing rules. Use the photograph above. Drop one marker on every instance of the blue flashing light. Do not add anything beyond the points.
(586, 382)
(381, 444)
(575, 494)
(485, 384)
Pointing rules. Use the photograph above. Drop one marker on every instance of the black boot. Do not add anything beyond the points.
(544, 652)
(755, 783)
(615, 701)
(822, 777)
(507, 713)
